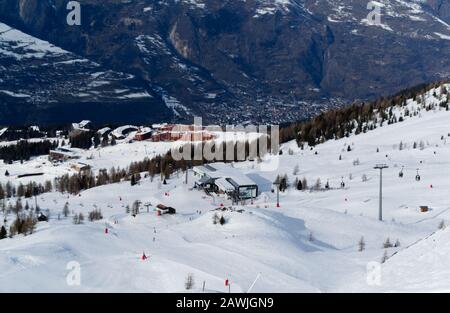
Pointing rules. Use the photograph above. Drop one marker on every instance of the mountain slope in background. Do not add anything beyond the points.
(44, 83)
(260, 60)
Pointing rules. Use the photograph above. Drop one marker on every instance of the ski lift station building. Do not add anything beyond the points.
(224, 179)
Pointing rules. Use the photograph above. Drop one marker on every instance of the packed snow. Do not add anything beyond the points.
(310, 243)
(25, 45)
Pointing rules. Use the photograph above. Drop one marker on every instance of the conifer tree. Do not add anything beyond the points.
(361, 245)
(3, 232)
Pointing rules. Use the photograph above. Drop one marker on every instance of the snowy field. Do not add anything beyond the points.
(309, 244)
(120, 155)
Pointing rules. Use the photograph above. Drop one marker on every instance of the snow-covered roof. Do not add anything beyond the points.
(104, 130)
(84, 123)
(144, 130)
(3, 130)
(65, 152)
(81, 125)
(79, 164)
(224, 184)
(119, 131)
(226, 172)
(157, 126)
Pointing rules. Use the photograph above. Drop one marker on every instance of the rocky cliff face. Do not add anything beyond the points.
(260, 60)
(42, 83)
(440, 8)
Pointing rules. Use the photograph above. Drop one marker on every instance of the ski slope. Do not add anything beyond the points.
(309, 244)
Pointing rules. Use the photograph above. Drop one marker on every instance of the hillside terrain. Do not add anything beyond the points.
(319, 239)
(39, 81)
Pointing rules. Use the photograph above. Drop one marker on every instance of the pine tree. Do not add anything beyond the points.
(66, 210)
(135, 208)
(215, 218)
(304, 183)
(78, 219)
(387, 243)
(361, 245)
(95, 215)
(283, 183)
(296, 170)
(189, 283)
(299, 185)
(318, 184)
(3, 232)
(385, 257)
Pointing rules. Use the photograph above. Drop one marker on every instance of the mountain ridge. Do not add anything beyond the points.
(262, 61)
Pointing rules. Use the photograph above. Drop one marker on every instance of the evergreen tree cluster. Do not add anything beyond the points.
(3, 232)
(85, 139)
(164, 166)
(24, 150)
(23, 224)
(14, 133)
(361, 117)
(28, 190)
(282, 182)
(95, 215)
(18, 133)
(25, 219)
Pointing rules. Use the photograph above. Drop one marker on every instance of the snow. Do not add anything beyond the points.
(103, 131)
(308, 244)
(270, 7)
(29, 47)
(120, 155)
(119, 131)
(3, 130)
(442, 36)
(15, 94)
(136, 95)
(81, 125)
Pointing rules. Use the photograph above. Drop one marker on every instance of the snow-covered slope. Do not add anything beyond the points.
(310, 243)
(35, 72)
